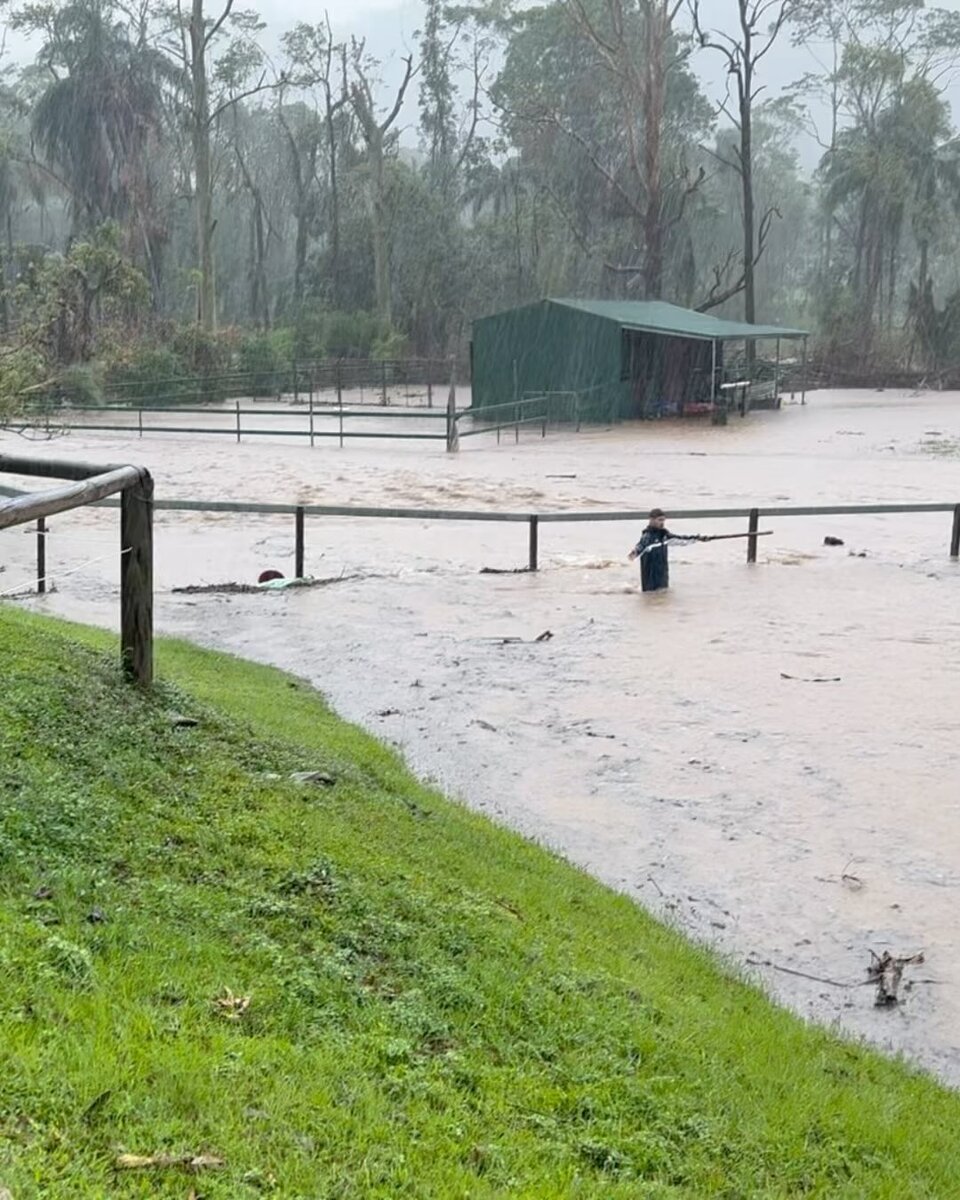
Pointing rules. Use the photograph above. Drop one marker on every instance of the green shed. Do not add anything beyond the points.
(601, 360)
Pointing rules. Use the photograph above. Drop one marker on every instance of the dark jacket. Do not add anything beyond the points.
(654, 565)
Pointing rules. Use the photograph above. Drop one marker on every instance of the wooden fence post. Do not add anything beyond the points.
(298, 544)
(41, 556)
(752, 529)
(453, 436)
(238, 422)
(311, 416)
(136, 580)
(534, 542)
(955, 535)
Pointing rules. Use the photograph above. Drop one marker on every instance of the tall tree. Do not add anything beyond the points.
(192, 44)
(640, 67)
(99, 120)
(380, 141)
(312, 62)
(760, 24)
(611, 132)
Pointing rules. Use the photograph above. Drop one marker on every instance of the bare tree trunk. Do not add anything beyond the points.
(334, 204)
(656, 32)
(378, 223)
(375, 134)
(760, 25)
(745, 83)
(200, 132)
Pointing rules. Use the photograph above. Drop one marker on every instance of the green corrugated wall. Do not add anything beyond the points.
(556, 349)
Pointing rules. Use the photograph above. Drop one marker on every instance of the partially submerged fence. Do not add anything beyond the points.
(88, 483)
(309, 421)
(411, 381)
(533, 520)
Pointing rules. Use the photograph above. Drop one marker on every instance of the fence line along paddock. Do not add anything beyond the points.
(305, 420)
(87, 484)
(533, 520)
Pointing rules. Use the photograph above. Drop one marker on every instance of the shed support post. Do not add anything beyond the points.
(533, 561)
(803, 373)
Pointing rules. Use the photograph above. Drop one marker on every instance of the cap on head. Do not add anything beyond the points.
(655, 513)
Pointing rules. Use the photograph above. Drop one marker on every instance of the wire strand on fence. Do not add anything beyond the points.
(32, 585)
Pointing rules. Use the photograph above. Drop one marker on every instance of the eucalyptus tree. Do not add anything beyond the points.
(759, 24)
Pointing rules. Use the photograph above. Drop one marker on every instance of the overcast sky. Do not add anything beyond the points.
(390, 27)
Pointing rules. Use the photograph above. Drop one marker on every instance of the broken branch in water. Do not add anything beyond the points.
(504, 570)
(245, 589)
(812, 678)
(766, 962)
(886, 972)
(546, 636)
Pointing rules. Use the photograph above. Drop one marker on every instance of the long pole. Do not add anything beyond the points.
(776, 378)
(534, 542)
(955, 535)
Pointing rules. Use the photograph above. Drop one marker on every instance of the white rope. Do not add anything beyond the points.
(29, 587)
(678, 540)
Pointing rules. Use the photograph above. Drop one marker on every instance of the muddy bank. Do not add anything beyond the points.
(654, 740)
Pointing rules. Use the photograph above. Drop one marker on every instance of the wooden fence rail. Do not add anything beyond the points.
(88, 484)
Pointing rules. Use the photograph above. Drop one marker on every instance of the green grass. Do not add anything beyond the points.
(437, 1008)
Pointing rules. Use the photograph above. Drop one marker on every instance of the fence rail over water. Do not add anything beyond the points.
(533, 520)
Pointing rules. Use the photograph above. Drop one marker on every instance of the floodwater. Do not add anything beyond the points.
(674, 745)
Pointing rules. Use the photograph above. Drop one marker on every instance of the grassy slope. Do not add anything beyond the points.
(439, 1009)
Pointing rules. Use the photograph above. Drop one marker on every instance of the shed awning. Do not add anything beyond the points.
(656, 316)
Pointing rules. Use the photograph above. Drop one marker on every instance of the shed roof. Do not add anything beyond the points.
(655, 316)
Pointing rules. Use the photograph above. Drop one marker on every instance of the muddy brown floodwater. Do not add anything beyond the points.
(654, 739)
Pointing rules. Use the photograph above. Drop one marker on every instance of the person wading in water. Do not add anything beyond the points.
(652, 552)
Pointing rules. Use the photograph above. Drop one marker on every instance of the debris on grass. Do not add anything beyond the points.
(179, 721)
(231, 1007)
(317, 778)
(186, 1162)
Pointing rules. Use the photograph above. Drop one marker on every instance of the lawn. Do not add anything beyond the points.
(352, 987)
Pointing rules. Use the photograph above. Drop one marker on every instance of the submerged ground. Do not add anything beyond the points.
(222, 982)
(657, 744)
